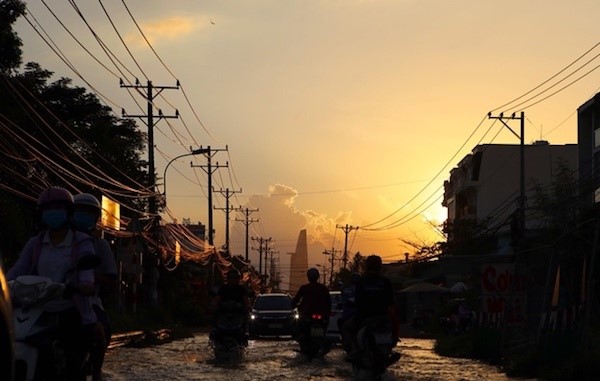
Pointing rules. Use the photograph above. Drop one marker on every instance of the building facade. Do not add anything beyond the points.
(588, 139)
(485, 185)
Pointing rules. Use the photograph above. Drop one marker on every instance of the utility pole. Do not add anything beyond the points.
(247, 222)
(260, 248)
(275, 280)
(210, 169)
(521, 137)
(151, 93)
(227, 193)
(263, 247)
(272, 269)
(332, 253)
(346, 229)
(521, 215)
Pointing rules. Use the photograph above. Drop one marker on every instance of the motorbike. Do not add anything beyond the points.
(375, 347)
(39, 349)
(311, 336)
(228, 337)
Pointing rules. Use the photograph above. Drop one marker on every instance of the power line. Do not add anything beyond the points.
(150, 122)
(121, 39)
(430, 181)
(548, 80)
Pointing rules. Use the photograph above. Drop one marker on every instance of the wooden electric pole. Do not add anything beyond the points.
(247, 221)
(149, 119)
(346, 229)
(521, 138)
(227, 193)
(209, 168)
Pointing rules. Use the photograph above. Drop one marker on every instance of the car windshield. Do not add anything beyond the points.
(273, 303)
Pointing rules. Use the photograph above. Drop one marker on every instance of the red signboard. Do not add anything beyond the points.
(503, 292)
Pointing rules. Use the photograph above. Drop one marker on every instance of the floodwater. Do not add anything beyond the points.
(276, 359)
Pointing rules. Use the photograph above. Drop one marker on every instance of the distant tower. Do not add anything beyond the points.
(299, 264)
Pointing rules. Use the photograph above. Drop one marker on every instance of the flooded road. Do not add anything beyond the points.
(275, 359)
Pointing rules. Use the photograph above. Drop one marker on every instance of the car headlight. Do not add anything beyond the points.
(296, 316)
(252, 317)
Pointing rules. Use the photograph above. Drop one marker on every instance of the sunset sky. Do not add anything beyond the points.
(334, 111)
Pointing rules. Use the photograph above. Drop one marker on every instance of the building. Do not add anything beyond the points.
(199, 230)
(485, 185)
(299, 264)
(588, 139)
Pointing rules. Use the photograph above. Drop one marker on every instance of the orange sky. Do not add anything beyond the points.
(352, 109)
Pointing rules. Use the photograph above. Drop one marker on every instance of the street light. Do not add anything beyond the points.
(192, 153)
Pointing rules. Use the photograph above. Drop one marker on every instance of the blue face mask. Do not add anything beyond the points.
(83, 221)
(54, 219)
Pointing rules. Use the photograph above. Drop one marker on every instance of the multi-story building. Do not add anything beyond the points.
(588, 139)
(486, 183)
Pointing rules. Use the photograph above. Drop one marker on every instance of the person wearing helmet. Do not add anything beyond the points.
(87, 211)
(53, 254)
(374, 296)
(312, 297)
(233, 292)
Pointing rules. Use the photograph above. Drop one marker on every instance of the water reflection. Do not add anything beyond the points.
(191, 359)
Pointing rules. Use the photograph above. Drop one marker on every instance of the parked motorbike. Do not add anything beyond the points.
(228, 337)
(39, 349)
(375, 347)
(311, 336)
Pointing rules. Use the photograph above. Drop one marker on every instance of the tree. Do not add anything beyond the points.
(557, 206)
(423, 251)
(54, 133)
(342, 277)
(358, 263)
(10, 43)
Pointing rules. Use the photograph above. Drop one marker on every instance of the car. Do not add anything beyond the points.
(333, 332)
(7, 346)
(272, 315)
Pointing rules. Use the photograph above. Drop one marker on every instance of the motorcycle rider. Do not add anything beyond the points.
(85, 217)
(235, 292)
(53, 253)
(313, 298)
(374, 297)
